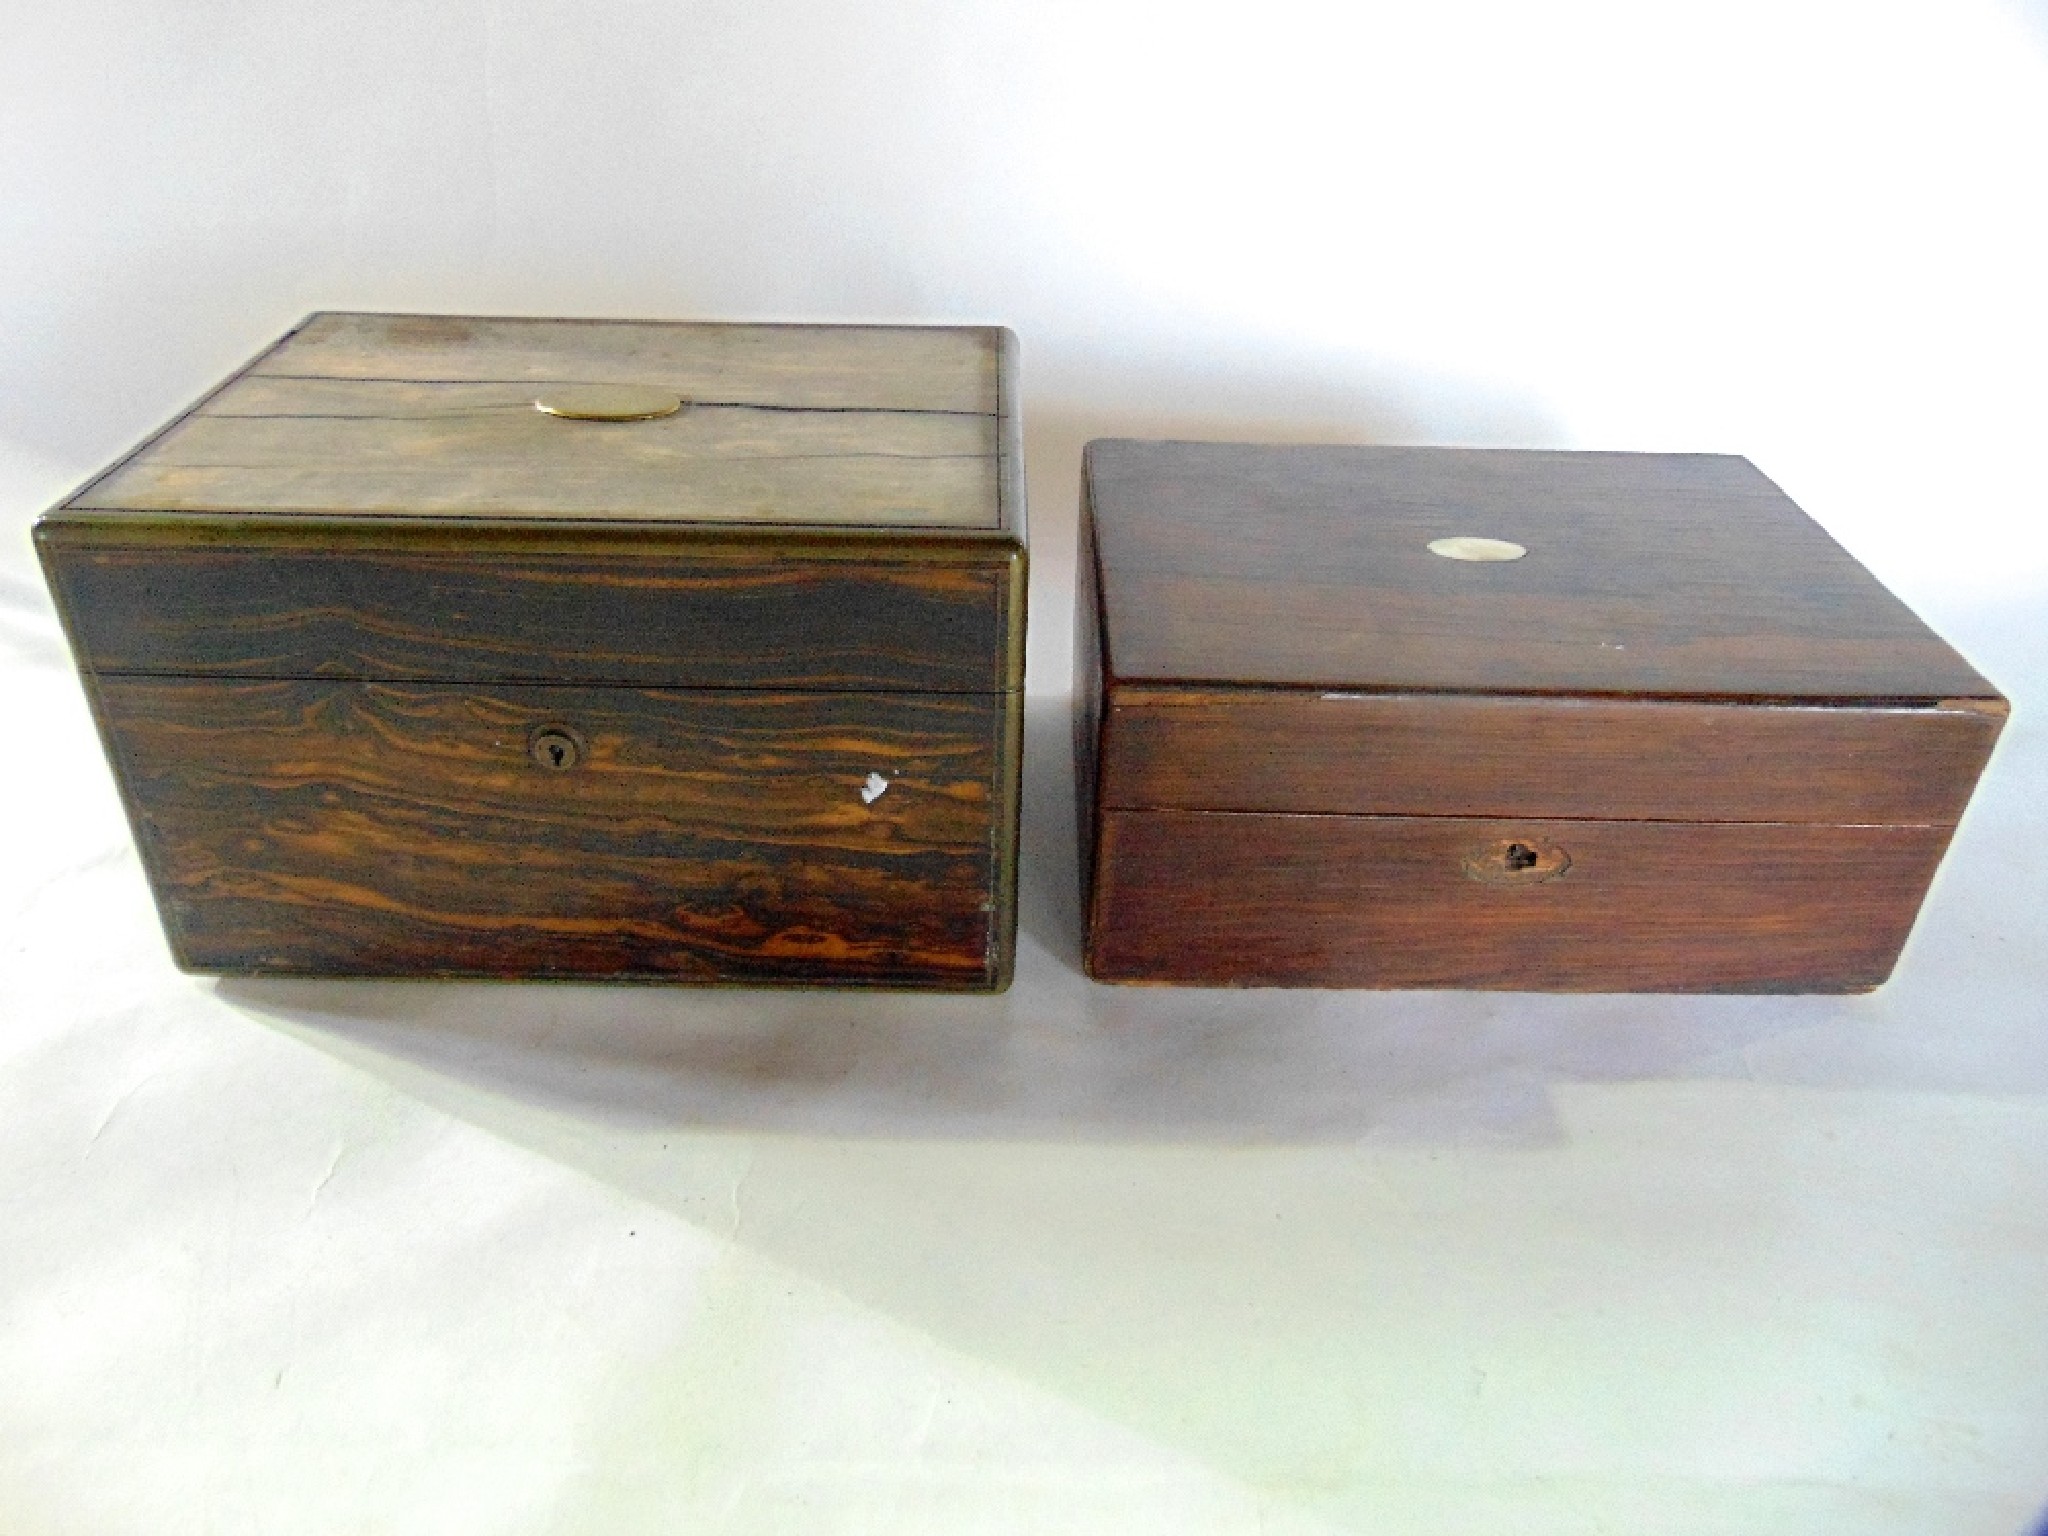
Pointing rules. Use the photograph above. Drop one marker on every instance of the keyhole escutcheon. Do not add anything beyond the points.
(1515, 861)
(555, 749)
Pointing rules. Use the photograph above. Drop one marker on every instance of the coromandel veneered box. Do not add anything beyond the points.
(1412, 717)
(443, 646)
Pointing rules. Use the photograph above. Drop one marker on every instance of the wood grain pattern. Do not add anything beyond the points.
(383, 448)
(1470, 755)
(1216, 899)
(813, 367)
(656, 615)
(368, 547)
(1677, 575)
(880, 428)
(1685, 744)
(378, 828)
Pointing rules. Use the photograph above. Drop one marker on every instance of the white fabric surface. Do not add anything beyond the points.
(326, 1257)
(544, 1261)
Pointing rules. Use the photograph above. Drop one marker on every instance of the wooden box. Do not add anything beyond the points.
(1682, 743)
(545, 648)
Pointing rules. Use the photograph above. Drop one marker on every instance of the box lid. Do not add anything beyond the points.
(1667, 576)
(844, 429)
(607, 502)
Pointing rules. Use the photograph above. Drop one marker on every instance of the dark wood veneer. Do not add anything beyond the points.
(1685, 743)
(320, 615)
(405, 828)
(1385, 901)
(656, 615)
(1685, 575)
(1476, 755)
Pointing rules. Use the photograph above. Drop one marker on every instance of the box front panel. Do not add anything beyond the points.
(1435, 754)
(317, 826)
(465, 609)
(1210, 898)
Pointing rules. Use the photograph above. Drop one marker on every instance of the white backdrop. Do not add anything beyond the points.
(343, 1258)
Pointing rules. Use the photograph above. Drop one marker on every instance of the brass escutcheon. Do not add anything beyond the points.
(1516, 861)
(554, 749)
(608, 402)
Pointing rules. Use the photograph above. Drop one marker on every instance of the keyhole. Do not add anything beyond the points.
(1518, 864)
(555, 749)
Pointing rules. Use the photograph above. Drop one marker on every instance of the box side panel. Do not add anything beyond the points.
(1005, 834)
(1011, 517)
(140, 825)
(1471, 755)
(1219, 899)
(652, 613)
(1088, 702)
(339, 827)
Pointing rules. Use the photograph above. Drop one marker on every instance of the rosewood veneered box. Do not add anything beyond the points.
(1414, 717)
(439, 646)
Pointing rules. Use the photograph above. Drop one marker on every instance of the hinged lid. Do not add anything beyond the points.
(850, 428)
(1450, 632)
(628, 502)
(1647, 575)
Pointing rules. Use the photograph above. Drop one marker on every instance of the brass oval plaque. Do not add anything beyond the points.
(608, 402)
(1466, 546)
(1516, 861)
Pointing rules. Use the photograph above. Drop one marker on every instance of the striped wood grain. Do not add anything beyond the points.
(388, 829)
